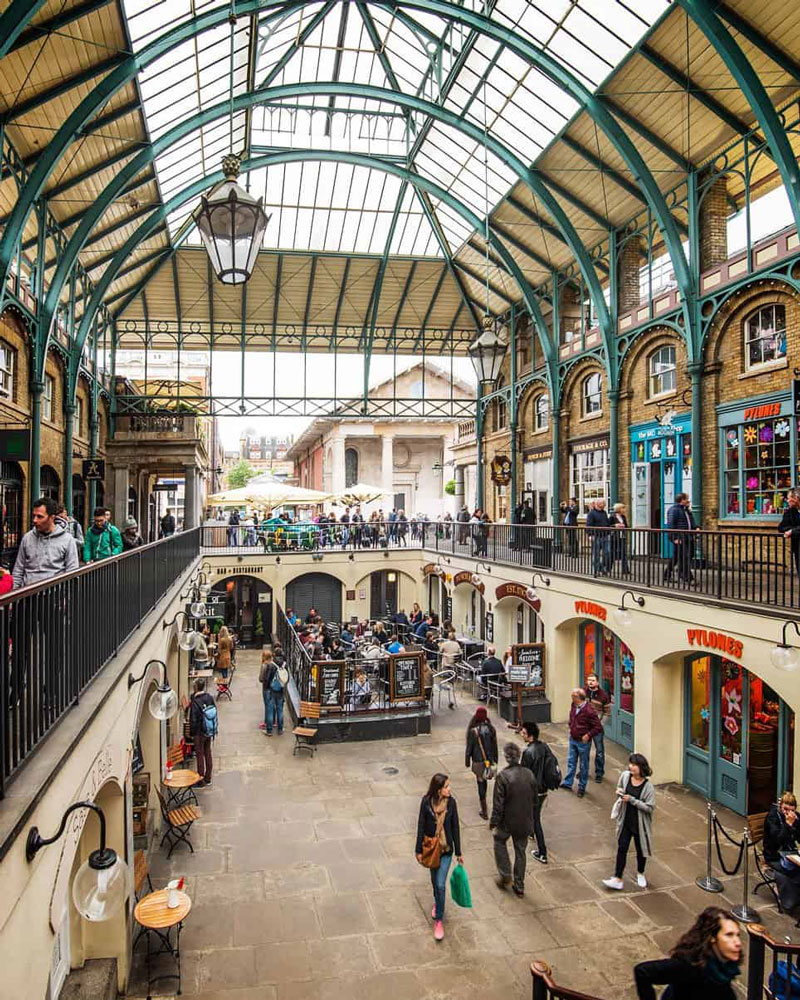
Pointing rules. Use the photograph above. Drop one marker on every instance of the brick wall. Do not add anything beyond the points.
(714, 224)
(628, 263)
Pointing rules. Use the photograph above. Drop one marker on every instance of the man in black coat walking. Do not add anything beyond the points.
(512, 816)
(790, 525)
(597, 525)
(680, 521)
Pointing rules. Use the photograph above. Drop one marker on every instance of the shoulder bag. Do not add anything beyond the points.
(489, 769)
(431, 855)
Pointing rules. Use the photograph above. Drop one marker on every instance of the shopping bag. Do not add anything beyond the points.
(459, 887)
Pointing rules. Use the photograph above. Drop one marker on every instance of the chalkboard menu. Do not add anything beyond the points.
(406, 677)
(448, 608)
(527, 664)
(489, 626)
(330, 683)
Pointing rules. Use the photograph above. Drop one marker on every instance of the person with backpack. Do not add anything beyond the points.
(102, 539)
(203, 729)
(481, 754)
(273, 681)
(541, 761)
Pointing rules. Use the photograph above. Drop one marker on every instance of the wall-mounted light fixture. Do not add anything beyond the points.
(530, 593)
(622, 615)
(186, 635)
(784, 656)
(163, 702)
(102, 883)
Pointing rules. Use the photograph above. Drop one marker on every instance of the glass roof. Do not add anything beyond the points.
(325, 206)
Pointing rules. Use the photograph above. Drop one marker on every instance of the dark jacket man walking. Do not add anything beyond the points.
(515, 793)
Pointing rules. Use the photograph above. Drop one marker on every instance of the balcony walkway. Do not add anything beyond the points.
(305, 887)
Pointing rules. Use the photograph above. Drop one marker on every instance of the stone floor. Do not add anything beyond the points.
(304, 884)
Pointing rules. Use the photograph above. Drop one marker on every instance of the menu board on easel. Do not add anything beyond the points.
(331, 683)
(527, 664)
(406, 677)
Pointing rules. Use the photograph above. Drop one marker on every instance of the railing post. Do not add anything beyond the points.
(718, 547)
(755, 963)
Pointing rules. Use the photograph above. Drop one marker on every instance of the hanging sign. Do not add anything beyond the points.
(331, 683)
(489, 626)
(501, 470)
(406, 677)
(519, 591)
(527, 664)
(448, 608)
(94, 468)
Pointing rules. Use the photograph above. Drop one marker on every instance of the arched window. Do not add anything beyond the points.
(662, 375)
(592, 394)
(350, 467)
(541, 417)
(765, 336)
(500, 410)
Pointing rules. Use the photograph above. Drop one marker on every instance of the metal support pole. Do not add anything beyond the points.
(746, 913)
(512, 500)
(696, 375)
(35, 472)
(707, 881)
(479, 478)
(613, 445)
(69, 427)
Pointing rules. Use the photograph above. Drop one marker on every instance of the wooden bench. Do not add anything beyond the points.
(178, 823)
(305, 736)
(755, 824)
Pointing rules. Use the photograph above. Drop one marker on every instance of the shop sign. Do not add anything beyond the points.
(94, 468)
(501, 470)
(589, 445)
(678, 425)
(527, 664)
(429, 569)
(719, 641)
(590, 608)
(466, 577)
(519, 591)
(489, 626)
(766, 409)
(545, 451)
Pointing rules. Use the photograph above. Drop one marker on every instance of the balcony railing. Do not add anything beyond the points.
(157, 423)
(56, 636)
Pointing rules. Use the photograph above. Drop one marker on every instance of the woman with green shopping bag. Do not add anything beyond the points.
(438, 839)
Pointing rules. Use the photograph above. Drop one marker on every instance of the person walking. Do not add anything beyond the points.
(583, 725)
(790, 525)
(203, 729)
(701, 966)
(462, 517)
(224, 651)
(168, 524)
(571, 511)
(102, 539)
(233, 528)
(438, 819)
(680, 524)
(47, 550)
(513, 804)
(131, 539)
(71, 526)
(619, 537)
(534, 757)
(272, 685)
(634, 815)
(597, 525)
(601, 703)
(481, 754)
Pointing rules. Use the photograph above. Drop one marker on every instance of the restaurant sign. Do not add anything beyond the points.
(519, 591)
(590, 608)
(466, 577)
(719, 641)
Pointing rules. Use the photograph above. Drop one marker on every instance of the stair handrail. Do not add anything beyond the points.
(544, 988)
(760, 940)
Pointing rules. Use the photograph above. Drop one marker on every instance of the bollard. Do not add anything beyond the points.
(745, 913)
(707, 881)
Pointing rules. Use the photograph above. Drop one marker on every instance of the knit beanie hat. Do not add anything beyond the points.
(130, 522)
(481, 715)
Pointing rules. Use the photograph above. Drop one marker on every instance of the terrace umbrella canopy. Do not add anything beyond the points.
(360, 493)
(268, 495)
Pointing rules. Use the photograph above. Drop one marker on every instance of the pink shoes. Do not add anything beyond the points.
(438, 930)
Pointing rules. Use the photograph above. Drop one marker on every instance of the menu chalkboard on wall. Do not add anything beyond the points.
(406, 677)
(527, 664)
(330, 683)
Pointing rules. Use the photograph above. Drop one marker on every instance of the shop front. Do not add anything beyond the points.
(739, 744)
(606, 655)
(589, 471)
(538, 480)
(661, 456)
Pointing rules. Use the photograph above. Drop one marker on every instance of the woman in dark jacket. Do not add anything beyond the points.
(701, 966)
(481, 750)
(438, 817)
(782, 836)
(619, 537)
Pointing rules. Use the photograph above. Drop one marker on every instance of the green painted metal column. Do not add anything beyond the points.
(613, 446)
(69, 432)
(512, 499)
(35, 458)
(695, 348)
(479, 484)
(696, 375)
(555, 424)
(555, 405)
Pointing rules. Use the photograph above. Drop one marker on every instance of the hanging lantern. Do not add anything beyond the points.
(487, 353)
(232, 224)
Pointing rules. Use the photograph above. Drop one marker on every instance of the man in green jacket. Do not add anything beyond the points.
(102, 539)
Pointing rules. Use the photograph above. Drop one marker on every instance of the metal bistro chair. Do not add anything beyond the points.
(445, 680)
(494, 690)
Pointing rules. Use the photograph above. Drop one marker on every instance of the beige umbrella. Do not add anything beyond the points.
(360, 493)
(268, 495)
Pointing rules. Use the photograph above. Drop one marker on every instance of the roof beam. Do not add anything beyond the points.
(604, 168)
(103, 234)
(567, 195)
(309, 294)
(481, 252)
(70, 220)
(176, 287)
(770, 49)
(92, 265)
(280, 65)
(337, 60)
(434, 297)
(141, 262)
(402, 302)
(522, 247)
(340, 300)
(482, 280)
(85, 175)
(648, 135)
(277, 298)
(13, 21)
(57, 22)
(62, 87)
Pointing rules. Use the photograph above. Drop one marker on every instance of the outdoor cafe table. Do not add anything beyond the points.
(158, 920)
(179, 785)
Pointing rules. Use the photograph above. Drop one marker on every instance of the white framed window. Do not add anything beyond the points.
(500, 410)
(588, 479)
(662, 373)
(47, 397)
(765, 336)
(8, 366)
(541, 418)
(79, 417)
(592, 394)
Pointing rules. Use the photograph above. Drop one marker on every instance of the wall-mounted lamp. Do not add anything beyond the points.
(186, 635)
(622, 615)
(475, 580)
(163, 702)
(316, 556)
(784, 656)
(351, 557)
(102, 883)
(385, 555)
(530, 593)
(485, 567)
(277, 560)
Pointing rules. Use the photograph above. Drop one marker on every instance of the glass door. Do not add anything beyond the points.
(606, 656)
(730, 780)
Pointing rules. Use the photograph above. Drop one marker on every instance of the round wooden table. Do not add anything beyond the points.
(179, 785)
(159, 919)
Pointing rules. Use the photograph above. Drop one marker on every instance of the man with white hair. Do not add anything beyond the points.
(515, 792)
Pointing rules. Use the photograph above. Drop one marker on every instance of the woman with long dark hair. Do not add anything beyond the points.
(633, 812)
(438, 819)
(481, 752)
(701, 966)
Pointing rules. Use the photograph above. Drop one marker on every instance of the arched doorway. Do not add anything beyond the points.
(50, 483)
(248, 608)
(350, 467)
(603, 653)
(11, 504)
(383, 594)
(79, 500)
(316, 590)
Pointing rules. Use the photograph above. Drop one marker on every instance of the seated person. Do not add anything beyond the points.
(400, 617)
(427, 680)
(291, 617)
(491, 669)
(450, 648)
(394, 645)
(782, 834)
(346, 635)
(337, 649)
(421, 631)
(362, 692)
(431, 648)
(379, 634)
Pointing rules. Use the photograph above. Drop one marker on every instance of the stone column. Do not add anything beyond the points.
(190, 498)
(459, 495)
(337, 465)
(714, 224)
(387, 465)
(121, 484)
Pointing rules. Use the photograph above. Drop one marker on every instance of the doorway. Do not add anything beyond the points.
(316, 590)
(739, 743)
(248, 608)
(606, 655)
(383, 594)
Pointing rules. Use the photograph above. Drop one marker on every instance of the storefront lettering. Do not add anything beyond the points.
(590, 608)
(715, 640)
(519, 591)
(766, 410)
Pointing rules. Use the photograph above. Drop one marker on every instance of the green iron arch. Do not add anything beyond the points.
(296, 156)
(69, 256)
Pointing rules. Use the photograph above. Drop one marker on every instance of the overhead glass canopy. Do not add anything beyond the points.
(324, 206)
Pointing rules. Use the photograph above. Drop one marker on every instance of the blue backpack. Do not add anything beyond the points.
(784, 982)
(210, 724)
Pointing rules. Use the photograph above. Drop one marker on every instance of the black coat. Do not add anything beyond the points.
(426, 825)
(533, 757)
(689, 982)
(778, 835)
(514, 799)
(571, 515)
(791, 522)
(473, 753)
(597, 519)
(196, 712)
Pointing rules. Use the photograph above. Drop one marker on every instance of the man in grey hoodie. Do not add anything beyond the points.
(47, 550)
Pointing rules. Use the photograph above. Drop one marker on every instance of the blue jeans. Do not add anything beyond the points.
(578, 753)
(601, 554)
(439, 883)
(599, 754)
(274, 710)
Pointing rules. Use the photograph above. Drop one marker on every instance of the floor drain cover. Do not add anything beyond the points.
(391, 770)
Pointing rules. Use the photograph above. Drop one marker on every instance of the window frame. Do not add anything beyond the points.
(48, 394)
(8, 371)
(778, 338)
(586, 396)
(653, 377)
(742, 471)
(538, 424)
(579, 461)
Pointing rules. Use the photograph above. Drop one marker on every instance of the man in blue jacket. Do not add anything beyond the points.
(597, 528)
(680, 523)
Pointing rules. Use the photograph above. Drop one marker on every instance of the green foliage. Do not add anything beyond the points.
(216, 626)
(240, 474)
(259, 625)
(450, 487)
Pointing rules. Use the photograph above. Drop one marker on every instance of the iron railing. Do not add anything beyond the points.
(545, 989)
(56, 636)
(763, 955)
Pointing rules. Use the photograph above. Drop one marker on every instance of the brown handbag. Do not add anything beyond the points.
(431, 856)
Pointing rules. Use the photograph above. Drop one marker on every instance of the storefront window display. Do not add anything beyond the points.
(700, 695)
(765, 336)
(607, 656)
(589, 475)
(730, 712)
